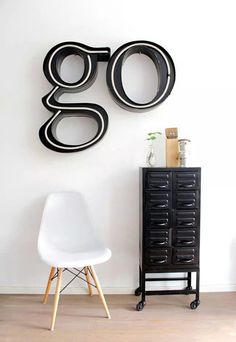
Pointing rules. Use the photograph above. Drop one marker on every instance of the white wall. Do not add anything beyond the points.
(200, 36)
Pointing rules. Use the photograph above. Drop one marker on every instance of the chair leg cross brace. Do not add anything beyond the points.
(76, 276)
(56, 274)
(87, 272)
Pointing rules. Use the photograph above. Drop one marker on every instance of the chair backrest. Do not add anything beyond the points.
(65, 224)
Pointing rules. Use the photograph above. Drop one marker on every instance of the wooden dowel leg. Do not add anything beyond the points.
(51, 274)
(95, 278)
(88, 281)
(56, 298)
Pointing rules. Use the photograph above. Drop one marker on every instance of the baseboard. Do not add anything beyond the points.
(68, 291)
(218, 288)
(109, 290)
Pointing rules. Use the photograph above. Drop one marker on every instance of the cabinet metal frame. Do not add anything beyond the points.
(172, 186)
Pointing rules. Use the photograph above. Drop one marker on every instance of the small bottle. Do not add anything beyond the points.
(184, 151)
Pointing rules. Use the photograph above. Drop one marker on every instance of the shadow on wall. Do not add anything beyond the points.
(124, 206)
(24, 244)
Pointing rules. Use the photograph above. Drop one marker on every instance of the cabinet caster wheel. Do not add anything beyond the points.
(195, 304)
(140, 306)
(138, 292)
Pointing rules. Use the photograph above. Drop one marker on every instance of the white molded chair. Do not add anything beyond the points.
(67, 241)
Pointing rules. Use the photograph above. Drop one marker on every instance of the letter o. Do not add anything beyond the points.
(164, 66)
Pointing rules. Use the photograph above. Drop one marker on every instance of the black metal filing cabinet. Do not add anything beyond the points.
(169, 228)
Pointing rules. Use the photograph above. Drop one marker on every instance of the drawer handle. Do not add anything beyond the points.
(153, 204)
(159, 243)
(159, 186)
(162, 224)
(186, 242)
(185, 260)
(162, 261)
(182, 223)
(158, 261)
(162, 205)
(187, 204)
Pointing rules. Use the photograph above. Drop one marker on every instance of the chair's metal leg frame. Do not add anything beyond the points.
(56, 274)
(85, 271)
(75, 276)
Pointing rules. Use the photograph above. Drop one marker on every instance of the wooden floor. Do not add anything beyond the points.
(82, 319)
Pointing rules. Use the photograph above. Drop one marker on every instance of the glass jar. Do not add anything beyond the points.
(151, 158)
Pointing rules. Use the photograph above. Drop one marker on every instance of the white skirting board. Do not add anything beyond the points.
(109, 290)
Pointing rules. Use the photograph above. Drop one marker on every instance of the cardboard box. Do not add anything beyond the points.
(172, 147)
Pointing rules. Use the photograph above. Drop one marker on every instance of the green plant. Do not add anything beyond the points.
(152, 136)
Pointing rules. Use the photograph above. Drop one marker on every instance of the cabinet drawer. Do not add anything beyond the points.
(186, 218)
(186, 199)
(158, 257)
(186, 180)
(157, 238)
(158, 180)
(158, 219)
(185, 237)
(185, 256)
(157, 200)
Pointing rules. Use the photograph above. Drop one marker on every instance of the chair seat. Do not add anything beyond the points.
(68, 259)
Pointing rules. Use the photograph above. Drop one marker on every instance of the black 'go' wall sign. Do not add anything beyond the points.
(91, 56)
